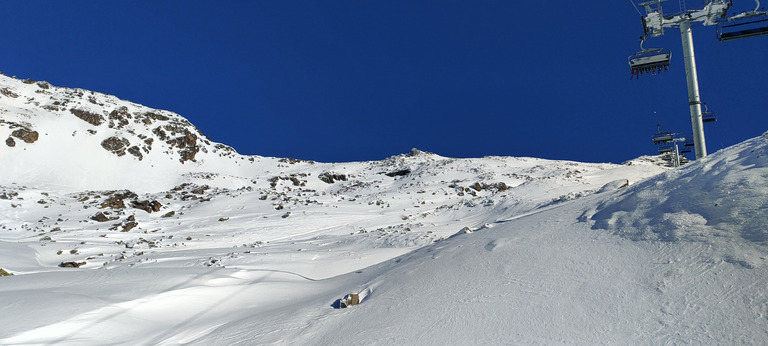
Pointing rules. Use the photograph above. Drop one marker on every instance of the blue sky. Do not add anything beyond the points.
(363, 80)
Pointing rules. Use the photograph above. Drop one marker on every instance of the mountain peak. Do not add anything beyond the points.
(94, 135)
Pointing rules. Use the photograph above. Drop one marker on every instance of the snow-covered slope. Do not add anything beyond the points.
(720, 201)
(74, 140)
(220, 248)
(679, 258)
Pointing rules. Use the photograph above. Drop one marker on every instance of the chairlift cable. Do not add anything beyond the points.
(636, 9)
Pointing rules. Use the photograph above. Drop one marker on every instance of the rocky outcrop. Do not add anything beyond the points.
(119, 117)
(330, 178)
(131, 128)
(399, 173)
(155, 116)
(349, 300)
(71, 264)
(146, 205)
(188, 144)
(117, 200)
(114, 202)
(91, 118)
(115, 145)
(188, 154)
(26, 135)
(497, 187)
(8, 92)
(135, 151)
(101, 217)
(129, 226)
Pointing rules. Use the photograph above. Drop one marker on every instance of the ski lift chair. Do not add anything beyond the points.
(707, 116)
(649, 61)
(751, 25)
(662, 137)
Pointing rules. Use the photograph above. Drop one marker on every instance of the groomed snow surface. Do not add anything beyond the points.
(495, 250)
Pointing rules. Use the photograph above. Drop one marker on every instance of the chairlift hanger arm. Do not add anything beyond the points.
(746, 15)
(654, 21)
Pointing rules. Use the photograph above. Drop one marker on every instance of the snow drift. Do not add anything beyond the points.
(722, 199)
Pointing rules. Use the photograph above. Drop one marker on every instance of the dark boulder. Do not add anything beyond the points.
(71, 264)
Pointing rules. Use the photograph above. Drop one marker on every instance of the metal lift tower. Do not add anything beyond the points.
(714, 13)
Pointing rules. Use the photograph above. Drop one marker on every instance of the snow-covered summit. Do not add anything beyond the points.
(74, 139)
(70, 140)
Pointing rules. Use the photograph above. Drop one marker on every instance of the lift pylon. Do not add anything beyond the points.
(715, 12)
(654, 23)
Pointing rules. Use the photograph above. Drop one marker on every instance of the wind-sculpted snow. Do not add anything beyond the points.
(722, 199)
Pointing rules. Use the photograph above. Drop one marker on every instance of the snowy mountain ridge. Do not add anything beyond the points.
(127, 225)
(53, 127)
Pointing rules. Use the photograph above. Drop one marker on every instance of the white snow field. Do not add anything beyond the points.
(124, 225)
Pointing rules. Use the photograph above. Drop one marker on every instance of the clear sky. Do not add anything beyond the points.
(363, 80)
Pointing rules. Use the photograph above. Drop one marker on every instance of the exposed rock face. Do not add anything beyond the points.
(497, 187)
(91, 118)
(331, 178)
(188, 154)
(26, 135)
(200, 190)
(117, 200)
(119, 117)
(129, 226)
(148, 206)
(7, 195)
(135, 151)
(399, 173)
(130, 128)
(155, 116)
(71, 264)
(100, 217)
(116, 145)
(187, 142)
(349, 300)
(8, 92)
